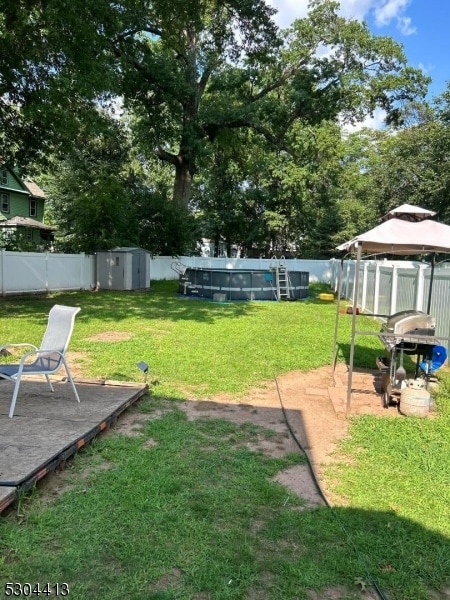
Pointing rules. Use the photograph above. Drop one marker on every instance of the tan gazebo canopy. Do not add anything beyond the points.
(406, 230)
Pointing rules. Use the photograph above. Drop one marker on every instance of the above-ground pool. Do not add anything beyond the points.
(240, 284)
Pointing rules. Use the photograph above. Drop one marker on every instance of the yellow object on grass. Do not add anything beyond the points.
(329, 297)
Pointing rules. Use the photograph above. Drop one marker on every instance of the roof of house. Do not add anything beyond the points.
(25, 222)
(34, 189)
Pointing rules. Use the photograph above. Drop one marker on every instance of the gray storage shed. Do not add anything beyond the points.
(123, 269)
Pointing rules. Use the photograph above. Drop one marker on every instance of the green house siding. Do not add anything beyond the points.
(22, 196)
(19, 203)
(19, 206)
(40, 210)
(12, 182)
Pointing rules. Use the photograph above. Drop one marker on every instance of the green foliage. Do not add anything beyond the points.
(196, 78)
(382, 171)
(52, 73)
(19, 241)
(164, 228)
(267, 202)
(89, 191)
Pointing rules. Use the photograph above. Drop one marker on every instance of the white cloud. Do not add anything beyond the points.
(383, 11)
(387, 11)
(404, 24)
(288, 11)
(356, 9)
(374, 122)
(426, 68)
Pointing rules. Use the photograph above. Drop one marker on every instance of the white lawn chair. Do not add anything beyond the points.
(49, 358)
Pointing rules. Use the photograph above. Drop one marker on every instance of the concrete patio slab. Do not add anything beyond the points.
(48, 428)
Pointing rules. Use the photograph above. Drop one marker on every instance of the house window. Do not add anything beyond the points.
(3, 177)
(33, 207)
(4, 199)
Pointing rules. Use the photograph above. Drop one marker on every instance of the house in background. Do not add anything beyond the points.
(22, 214)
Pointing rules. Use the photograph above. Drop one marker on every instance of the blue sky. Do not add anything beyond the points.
(421, 26)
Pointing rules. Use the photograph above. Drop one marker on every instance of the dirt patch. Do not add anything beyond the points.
(298, 479)
(169, 580)
(111, 336)
(77, 363)
(64, 480)
(342, 593)
(306, 412)
(297, 408)
(132, 423)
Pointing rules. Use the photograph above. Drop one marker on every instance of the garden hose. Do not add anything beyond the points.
(369, 576)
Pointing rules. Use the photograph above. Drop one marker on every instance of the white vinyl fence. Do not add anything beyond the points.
(31, 272)
(388, 287)
(37, 272)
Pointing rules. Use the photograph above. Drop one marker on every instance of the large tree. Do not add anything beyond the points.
(191, 73)
(192, 70)
(265, 202)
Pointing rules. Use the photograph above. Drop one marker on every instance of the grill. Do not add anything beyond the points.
(409, 332)
(412, 328)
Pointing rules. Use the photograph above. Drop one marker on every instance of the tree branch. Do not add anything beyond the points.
(131, 32)
(212, 129)
(167, 156)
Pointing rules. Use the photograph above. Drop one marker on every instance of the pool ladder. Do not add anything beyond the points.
(184, 282)
(282, 280)
(178, 267)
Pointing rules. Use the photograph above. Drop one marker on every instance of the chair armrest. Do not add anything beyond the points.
(5, 352)
(37, 352)
(34, 355)
(5, 346)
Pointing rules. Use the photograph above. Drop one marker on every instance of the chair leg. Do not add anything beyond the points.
(49, 382)
(14, 398)
(71, 380)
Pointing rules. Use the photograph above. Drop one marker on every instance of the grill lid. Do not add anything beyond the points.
(410, 321)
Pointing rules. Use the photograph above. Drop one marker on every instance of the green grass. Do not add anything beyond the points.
(196, 515)
(194, 345)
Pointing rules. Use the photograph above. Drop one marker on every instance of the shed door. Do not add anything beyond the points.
(138, 273)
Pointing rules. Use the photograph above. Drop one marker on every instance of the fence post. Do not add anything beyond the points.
(82, 271)
(46, 273)
(347, 279)
(420, 287)
(364, 286)
(376, 296)
(394, 289)
(2, 271)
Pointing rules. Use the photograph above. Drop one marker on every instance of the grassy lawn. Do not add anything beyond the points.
(196, 515)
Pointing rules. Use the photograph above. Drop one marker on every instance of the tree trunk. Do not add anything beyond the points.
(216, 245)
(183, 183)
